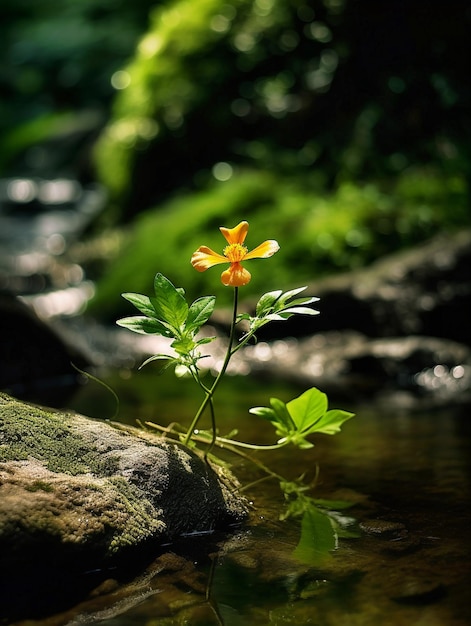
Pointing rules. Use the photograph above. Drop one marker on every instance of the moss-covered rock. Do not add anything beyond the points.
(74, 486)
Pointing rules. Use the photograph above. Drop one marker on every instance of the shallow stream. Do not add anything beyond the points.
(407, 561)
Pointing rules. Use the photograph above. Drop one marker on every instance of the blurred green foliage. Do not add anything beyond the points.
(340, 128)
(318, 233)
(56, 64)
(329, 90)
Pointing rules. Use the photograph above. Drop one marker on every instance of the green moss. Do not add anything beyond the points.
(40, 485)
(141, 519)
(28, 431)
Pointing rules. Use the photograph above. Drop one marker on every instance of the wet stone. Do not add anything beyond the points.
(383, 528)
(418, 591)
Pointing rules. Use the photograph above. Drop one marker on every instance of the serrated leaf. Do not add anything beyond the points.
(169, 302)
(307, 409)
(141, 302)
(199, 313)
(144, 326)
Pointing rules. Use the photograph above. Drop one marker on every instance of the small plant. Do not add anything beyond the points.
(168, 313)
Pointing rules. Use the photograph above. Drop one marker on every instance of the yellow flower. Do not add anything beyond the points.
(234, 253)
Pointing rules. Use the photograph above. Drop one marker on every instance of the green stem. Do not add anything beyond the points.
(210, 392)
(213, 430)
(251, 446)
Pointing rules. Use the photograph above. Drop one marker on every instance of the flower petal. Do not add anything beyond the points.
(263, 251)
(236, 234)
(205, 258)
(235, 276)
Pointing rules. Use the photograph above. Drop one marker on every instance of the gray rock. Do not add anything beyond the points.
(36, 362)
(76, 488)
(397, 332)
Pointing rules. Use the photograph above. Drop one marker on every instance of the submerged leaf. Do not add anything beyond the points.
(318, 537)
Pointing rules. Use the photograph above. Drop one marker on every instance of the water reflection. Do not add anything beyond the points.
(408, 479)
(39, 220)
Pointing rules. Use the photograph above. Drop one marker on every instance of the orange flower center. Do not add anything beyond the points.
(235, 252)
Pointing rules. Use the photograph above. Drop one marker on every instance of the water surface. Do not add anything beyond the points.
(407, 561)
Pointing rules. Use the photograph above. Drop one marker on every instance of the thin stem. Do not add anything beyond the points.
(212, 389)
(251, 446)
(213, 430)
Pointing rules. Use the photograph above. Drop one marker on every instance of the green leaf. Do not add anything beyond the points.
(265, 412)
(330, 423)
(300, 310)
(296, 302)
(199, 313)
(290, 294)
(144, 326)
(158, 357)
(318, 537)
(301, 442)
(274, 317)
(266, 302)
(334, 505)
(204, 340)
(283, 416)
(169, 303)
(142, 303)
(243, 316)
(183, 345)
(307, 409)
